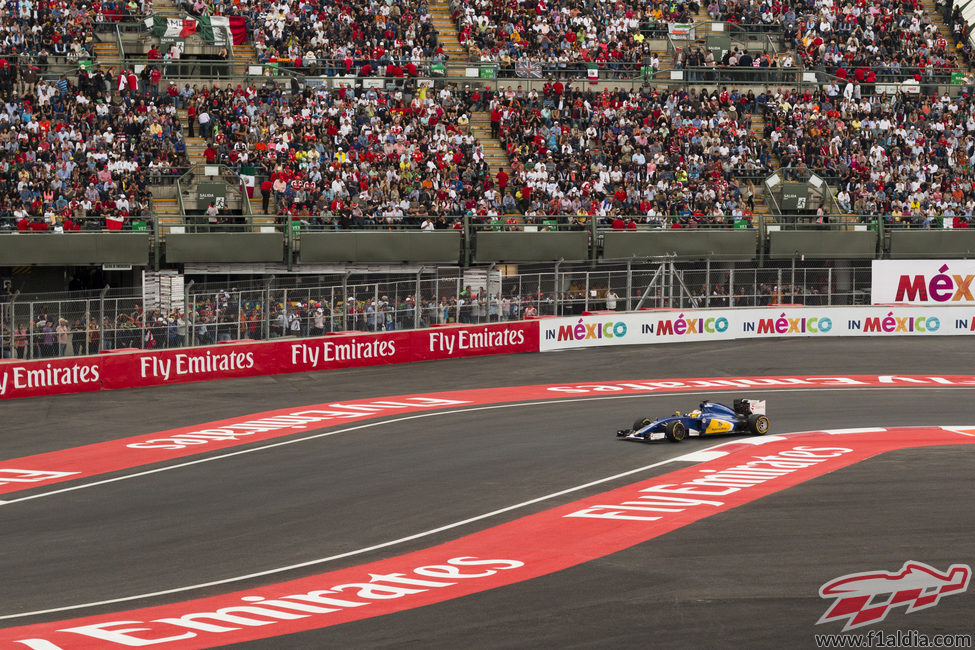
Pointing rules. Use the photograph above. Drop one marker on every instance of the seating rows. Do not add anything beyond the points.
(347, 157)
(671, 157)
(565, 36)
(318, 37)
(70, 158)
(907, 156)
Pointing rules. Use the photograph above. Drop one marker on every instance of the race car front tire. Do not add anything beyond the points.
(642, 422)
(675, 431)
(758, 425)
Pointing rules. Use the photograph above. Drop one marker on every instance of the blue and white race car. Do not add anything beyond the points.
(745, 416)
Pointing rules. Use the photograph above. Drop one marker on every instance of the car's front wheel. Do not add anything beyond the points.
(675, 431)
(758, 425)
(642, 422)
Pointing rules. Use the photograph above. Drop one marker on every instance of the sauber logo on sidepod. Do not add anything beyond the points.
(866, 598)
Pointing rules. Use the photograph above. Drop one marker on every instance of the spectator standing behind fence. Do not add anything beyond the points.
(64, 338)
(20, 341)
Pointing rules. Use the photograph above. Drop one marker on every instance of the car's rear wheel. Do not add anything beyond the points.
(642, 422)
(758, 425)
(675, 431)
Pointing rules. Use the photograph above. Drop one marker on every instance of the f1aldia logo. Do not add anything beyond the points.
(866, 598)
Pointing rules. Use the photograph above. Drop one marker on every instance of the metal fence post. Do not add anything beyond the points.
(101, 318)
(731, 287)
(466, 253)
(191, 330)
(629, 284)
(13, 325)
(829, 286)
(286, 330)
(267, 308)
(556, 287)
(707, 285)
(792, 281)
(457, 301)
(416, 300)
(585, 298)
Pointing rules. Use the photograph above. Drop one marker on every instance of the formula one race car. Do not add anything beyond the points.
(710, 418)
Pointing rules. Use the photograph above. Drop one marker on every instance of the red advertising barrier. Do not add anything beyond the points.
(251, 359)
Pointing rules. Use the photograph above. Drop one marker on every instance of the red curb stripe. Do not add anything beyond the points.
(519, 550)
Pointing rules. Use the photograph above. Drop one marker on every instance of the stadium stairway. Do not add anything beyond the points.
(165, 8)
(447, 38)
(107, 55)
(244, 55)
(758, 128)
(167, 212)
(937, 20)
(944, 29)
(195, 147)
(494, 153)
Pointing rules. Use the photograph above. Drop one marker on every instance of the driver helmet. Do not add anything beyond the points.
(694, 414)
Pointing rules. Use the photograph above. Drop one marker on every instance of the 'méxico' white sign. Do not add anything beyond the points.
(923, 282)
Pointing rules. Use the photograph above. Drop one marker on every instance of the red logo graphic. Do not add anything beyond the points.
(866, 598)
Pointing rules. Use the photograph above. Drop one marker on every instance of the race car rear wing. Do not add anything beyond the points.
(757, 406)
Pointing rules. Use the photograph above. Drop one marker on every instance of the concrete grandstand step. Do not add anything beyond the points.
(447, 36)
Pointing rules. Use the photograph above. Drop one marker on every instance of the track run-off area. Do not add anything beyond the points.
(454, 513)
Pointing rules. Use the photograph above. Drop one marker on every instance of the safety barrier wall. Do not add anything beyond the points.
(678, 326)
(138, 368)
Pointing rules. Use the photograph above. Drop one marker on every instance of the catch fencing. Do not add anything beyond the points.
(55, 325)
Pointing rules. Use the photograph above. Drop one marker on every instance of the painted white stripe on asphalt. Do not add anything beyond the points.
(755, 440)
(360, 551)
(965, 430)
(426, 533)
(291, 441)
(701, 456)
(843, 432)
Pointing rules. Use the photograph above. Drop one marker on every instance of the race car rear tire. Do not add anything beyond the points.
(675, 431)
(642, 422)
(758, 425)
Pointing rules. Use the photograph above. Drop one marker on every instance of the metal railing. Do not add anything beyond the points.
(46, 326)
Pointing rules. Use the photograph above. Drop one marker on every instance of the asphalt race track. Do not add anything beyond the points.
(746, 577)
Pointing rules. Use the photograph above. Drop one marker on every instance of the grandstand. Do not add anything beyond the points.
(249, 138)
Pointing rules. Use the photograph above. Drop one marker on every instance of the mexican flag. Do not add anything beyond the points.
(113, 222)
(168, 27)
(248, 178)
(593, 72)
(215, 30)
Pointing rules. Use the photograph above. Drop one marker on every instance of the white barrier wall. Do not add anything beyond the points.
(923, 282)
(673, 326)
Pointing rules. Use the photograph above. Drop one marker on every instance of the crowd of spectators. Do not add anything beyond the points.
(889, 41)
(80, 155)
(903, 155)
(565, 36)
(670, 158)
(232, 315)
(344, 157)
(351, 36)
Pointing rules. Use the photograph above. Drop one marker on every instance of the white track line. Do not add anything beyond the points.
(292, 441)
(360, 551)
(409, 538)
